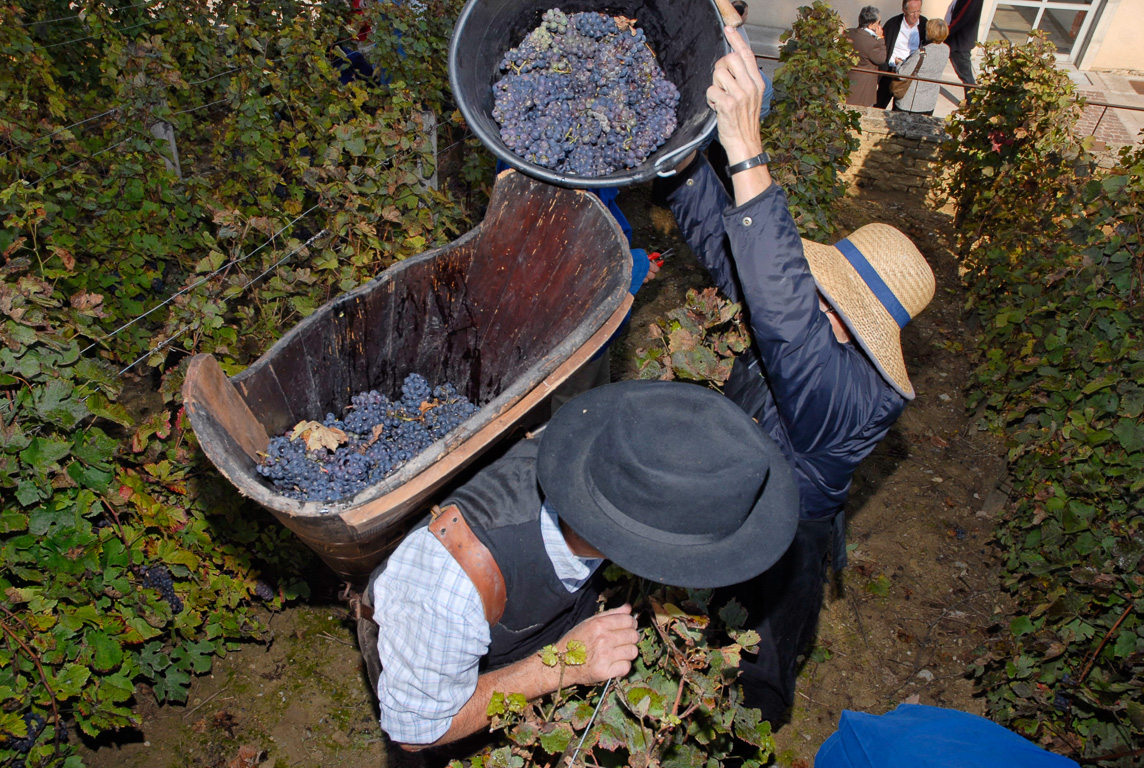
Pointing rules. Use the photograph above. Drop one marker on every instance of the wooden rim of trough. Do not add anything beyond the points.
(220, 414)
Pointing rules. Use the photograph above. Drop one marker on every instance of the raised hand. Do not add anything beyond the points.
(736, 95)
(610, 638)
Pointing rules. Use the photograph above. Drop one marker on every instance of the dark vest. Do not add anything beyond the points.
(502, 506)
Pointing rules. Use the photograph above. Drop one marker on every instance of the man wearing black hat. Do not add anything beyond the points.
(824, 376)
(464, 603)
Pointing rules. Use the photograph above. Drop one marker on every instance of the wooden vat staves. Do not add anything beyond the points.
(506, 313)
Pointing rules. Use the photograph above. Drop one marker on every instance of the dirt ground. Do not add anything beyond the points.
(900, 624)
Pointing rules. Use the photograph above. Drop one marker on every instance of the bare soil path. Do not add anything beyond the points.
(900, 624)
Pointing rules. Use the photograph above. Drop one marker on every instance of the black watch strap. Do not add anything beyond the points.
(760, 159)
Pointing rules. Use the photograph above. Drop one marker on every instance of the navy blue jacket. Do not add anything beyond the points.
(821, 400)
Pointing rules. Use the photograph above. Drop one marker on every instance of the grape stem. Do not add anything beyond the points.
(35, 660)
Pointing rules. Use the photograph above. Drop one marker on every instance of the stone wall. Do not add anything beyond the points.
(897, 153)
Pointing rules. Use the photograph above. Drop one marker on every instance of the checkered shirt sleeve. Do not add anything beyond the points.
(433, 631)
(432, 636)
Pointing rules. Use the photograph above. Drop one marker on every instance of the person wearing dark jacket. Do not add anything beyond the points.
(465, 602)
(963, 18)
(904, 34)
(824, 375)
(870, 45)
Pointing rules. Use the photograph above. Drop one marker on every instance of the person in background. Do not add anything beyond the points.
(870, 44)
(741, 9)
(928, 61)
(904, 33)
(963, 18)
(463, 605)
(824, 376)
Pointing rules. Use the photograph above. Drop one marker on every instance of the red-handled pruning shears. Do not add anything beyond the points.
(657, 258)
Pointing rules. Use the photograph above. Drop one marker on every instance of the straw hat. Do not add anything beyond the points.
(877, 281)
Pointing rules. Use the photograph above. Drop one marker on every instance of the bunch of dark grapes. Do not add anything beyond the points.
(584, 95)
(22, 745)
(382, 434)
(159, 578)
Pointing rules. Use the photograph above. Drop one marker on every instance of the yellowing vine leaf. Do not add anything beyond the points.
(318, 435)
(576, 654)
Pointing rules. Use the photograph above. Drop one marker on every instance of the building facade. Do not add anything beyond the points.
(1097, 35)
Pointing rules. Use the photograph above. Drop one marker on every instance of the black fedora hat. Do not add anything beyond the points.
(670, 481)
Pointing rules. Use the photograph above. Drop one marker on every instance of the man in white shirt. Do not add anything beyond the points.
(673, 482)
(904, 34)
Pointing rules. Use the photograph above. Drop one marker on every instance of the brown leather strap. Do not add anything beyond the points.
(451, 529)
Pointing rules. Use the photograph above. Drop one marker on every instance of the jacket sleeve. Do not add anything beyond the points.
(872, 49)
(823, 389)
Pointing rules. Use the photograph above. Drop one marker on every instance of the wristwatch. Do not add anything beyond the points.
(760, 159)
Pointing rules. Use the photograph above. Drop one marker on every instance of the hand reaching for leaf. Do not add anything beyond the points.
(597, 649)
(609, 640)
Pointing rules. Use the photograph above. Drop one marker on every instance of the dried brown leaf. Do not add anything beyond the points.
(247, 757)
(318, 435)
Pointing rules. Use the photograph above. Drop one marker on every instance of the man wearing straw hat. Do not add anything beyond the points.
(463, 605)
(825, 375)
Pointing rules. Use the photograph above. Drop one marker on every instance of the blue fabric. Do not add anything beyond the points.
(915, 735)
(874, 282)
(768, 94)
(640, 267)
(356, 68)
(823, 402)
(608, 197)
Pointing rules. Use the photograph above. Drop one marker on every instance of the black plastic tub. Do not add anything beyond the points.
(686, 35)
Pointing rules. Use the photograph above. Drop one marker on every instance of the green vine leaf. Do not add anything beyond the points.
(556, 738)
(549, 656)
(576, 654)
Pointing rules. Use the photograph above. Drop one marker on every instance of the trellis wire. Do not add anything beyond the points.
(180, 112)
(592, 719)
(202, 280)
(198, 323)
(248, 283)
(196, 109)
(92, 37)
(61, 130)
(78, 162)
(160, 346)
(230, 264)
(81, 15)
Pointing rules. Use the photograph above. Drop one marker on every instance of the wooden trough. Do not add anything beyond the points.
(505, 313)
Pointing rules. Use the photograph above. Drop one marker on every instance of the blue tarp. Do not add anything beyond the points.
(914, 735)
